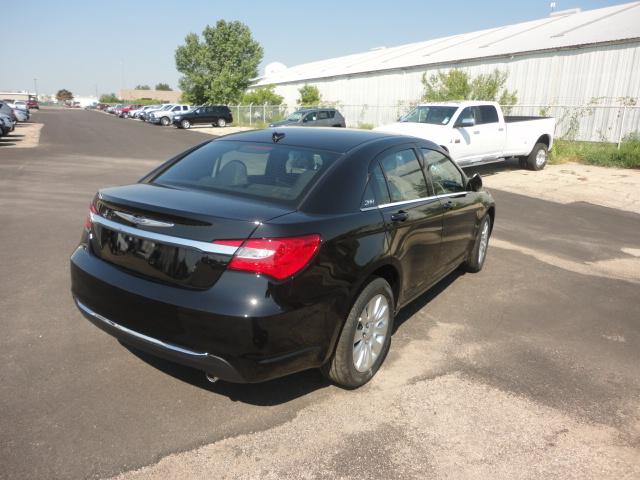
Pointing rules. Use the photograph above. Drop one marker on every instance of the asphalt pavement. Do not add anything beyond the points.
(541, 342)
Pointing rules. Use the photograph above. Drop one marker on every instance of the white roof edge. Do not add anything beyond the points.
(614, 24)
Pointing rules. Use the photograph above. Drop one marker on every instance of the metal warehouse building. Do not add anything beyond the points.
(569, 58)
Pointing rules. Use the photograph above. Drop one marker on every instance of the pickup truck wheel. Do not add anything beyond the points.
(365, 338)
(164, 121)
(185, 124)
(477, 255)
(538, 157)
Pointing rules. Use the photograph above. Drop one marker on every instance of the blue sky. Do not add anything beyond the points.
(84, 44)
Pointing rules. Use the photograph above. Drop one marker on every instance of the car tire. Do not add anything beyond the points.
(478, 254)
(221, 122)
(185, 124)
(164, 121)
(354, 361)
(538, 157)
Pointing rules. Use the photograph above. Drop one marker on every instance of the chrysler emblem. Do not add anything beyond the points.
(147, 222)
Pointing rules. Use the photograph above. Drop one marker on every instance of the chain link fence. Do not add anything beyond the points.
(591, 122)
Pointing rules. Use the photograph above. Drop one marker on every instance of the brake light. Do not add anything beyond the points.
(87, 221)
(279, 258)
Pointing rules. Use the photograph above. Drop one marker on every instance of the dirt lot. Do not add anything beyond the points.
(528, 369)
(25, 135)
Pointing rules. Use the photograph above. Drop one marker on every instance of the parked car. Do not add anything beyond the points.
(146, 116)
(139, 112)
(313, 117)
(165, 117)
(21, 115)
(7, 110)
(7, 124)
(21, 104)
(216, 115)
(114, 108)
(476, 132)
(263, 253)
(124, 111)
(33, 104)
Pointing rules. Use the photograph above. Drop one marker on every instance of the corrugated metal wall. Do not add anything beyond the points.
(569, 77)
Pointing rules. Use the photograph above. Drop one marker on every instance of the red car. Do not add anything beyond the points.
(33, 104)
(124, 111)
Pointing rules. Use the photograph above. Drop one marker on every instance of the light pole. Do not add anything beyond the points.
(35, 86)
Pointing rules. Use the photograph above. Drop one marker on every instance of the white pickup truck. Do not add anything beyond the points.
(475, 132)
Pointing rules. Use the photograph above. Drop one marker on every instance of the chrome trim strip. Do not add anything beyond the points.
(140, 336)
(147, 222)
(159, 237)
(417, 200)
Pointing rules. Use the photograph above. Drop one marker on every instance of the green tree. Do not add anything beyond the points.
(164, 87)
(219, 67)
(262, 95)
(109, 98)
(309, 96)
(142, 87)
(458, 85)
(64, 95)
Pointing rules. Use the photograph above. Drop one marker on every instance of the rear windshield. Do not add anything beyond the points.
(278, 173)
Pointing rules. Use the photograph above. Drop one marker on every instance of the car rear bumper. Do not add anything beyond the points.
(204, 329)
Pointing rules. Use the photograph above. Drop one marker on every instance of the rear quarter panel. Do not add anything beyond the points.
(522, 136)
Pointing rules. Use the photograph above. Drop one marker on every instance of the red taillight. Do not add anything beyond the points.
(279, 258)
(87, 221)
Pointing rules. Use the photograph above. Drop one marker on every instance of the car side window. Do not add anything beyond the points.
(331, 113)
(488, 114)
(376, 192)
(323, 115)
(311, 117)
(444, 175)
(404, 176)
(468, 113)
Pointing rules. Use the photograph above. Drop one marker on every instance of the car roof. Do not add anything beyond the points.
(333, 139)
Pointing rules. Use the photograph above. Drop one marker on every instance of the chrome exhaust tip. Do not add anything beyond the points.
(211, 378)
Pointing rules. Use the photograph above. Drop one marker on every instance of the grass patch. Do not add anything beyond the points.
(601, 154)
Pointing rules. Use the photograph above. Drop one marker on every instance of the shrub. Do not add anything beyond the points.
(602, 154)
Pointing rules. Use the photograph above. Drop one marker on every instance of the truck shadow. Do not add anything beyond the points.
(493, 168)
(285, 389)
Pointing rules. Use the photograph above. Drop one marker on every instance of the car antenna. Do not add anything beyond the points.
(276, 137)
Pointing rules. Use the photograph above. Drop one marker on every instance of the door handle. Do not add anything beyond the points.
(476, 132)
(501, 129)
(447, 205)
(400, 216)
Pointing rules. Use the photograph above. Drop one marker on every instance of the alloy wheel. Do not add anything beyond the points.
(371, 333)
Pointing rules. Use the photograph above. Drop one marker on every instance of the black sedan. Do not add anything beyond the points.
(264, 253)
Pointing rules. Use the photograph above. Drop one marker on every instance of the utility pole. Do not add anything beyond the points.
(35, 86)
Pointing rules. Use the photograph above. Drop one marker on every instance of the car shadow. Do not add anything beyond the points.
(270, 393)
(285, 389)
(491, 169)
(423, 300)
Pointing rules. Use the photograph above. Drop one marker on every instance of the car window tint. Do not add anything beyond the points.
(444, 175)
(404, 176)
(331, 113)
(376, 192)
(311, 117)
(468, 113)
(323, 115)
(277, 172)
(488, 114)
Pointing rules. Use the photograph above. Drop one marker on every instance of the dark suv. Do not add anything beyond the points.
(216, 115)
(313, 117)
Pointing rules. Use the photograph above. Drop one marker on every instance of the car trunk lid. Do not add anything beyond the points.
(166, 234)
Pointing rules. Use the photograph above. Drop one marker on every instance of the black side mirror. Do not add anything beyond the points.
(475, 183)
